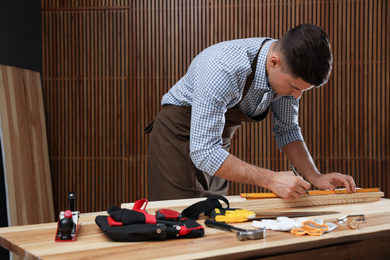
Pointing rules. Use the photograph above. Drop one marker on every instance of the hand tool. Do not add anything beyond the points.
(242, 234)
(68, 225)
(290, 214)
(65, 226)
(231, 215)
(353, 215)
(352, 222)
(241, 215)
(268, 195)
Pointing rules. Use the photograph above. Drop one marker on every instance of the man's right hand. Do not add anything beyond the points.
(287, 186)
(284, 184)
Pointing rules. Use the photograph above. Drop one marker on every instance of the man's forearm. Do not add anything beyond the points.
(234, 169)
(284, 184)
(300, 157)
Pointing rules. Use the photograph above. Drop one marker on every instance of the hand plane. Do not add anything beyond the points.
(68, 224)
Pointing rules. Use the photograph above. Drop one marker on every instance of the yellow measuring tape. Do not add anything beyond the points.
(269, 195)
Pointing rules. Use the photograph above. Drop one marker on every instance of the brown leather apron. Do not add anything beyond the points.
(171, 172)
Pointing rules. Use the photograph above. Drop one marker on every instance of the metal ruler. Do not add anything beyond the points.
(269, 195)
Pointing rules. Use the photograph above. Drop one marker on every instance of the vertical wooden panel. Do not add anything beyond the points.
(24, 146)
(107, 65)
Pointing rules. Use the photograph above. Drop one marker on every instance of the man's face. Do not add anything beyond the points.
(286, 85)
(281, 81)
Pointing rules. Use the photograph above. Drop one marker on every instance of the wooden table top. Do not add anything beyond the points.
(37, 241)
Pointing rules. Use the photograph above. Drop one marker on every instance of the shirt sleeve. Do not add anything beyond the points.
(220, 84)
(285, 121)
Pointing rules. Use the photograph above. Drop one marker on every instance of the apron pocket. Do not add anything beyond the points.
(149, 128)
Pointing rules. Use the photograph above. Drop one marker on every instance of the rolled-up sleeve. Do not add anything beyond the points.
(219, 85)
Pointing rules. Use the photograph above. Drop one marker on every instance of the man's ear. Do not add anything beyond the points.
(275, 61)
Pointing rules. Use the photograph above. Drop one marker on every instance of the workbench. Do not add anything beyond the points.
(370, 241)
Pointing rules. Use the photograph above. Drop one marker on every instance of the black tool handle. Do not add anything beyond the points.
(212, 223)
(71, 200)
(217, 212)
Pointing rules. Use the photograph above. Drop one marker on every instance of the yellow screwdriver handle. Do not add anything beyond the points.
(233, 215)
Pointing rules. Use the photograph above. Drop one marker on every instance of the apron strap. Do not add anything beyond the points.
(252, 75)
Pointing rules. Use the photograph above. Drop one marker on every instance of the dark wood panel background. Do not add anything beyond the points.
(106, 65)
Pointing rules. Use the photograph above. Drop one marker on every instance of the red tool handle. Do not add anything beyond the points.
(140, 206)
(167, 214)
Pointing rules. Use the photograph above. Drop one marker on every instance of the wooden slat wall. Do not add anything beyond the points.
(106, 65)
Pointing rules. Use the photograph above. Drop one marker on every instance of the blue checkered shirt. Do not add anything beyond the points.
(215, 82)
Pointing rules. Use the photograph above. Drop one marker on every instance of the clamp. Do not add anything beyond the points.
(352, 221)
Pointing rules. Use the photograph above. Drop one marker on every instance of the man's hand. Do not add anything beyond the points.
(300, 157)
(288, 186)
(330, 181)
(283, 184)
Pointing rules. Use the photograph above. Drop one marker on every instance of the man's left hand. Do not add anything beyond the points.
(331, 181)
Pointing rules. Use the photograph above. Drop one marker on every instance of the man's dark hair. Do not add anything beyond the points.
(306, 51)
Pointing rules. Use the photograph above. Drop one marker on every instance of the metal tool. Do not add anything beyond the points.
(354, 215)
(352, 221)
(68, 225)
(242, 234)
(290, 214)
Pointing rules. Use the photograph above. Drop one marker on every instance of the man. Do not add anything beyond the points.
(226, 84)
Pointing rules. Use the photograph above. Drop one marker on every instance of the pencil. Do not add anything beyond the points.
(296, 174)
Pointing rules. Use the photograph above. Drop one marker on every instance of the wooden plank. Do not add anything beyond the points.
(23, 126)
(272, 203)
